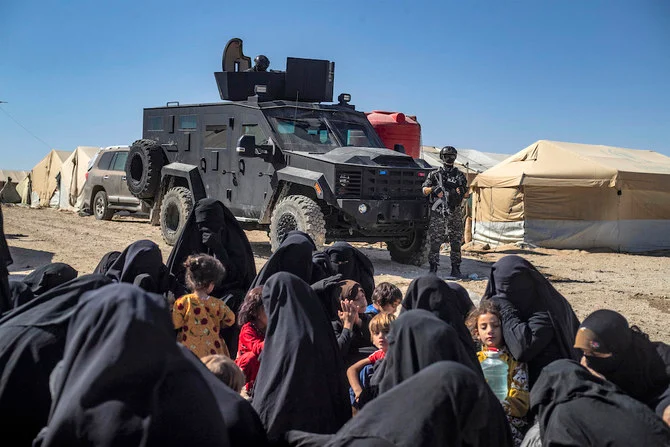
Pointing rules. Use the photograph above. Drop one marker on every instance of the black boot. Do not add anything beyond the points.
(455, 270)
(433, 269)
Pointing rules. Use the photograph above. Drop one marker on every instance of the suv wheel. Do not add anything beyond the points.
(101, 209)
(175, 208)
(297, 213)
(143, 168)
(413, 251)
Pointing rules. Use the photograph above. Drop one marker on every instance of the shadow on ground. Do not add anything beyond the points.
(27, 259)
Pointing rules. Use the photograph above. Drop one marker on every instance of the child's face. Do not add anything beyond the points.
(261, 318)
(489, 330)
(360, 301)
(380, 341)
(391, 308)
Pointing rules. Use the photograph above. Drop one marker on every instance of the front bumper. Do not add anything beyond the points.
(385, 212)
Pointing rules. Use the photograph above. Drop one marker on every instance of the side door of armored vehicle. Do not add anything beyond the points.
(250, 185)
(217, 149)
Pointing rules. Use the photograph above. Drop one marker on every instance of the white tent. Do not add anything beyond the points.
(72, 177)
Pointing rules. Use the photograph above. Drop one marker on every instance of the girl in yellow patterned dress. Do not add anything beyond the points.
(198, 317)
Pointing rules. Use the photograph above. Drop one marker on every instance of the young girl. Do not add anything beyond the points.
(486, 328)
(253, 320)
(380, 325)
(198, 317)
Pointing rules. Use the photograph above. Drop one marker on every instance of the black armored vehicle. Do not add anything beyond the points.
(280, 159)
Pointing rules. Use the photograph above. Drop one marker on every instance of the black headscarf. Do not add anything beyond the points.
(462, 299)
(639, 367)
(418, 339)
(445, 404)
(294, 255)
(20, 293)
(49, 276)
(321, 267)
(434, 295)
(212, 229)
(521, 290)
(353, 265)
(32, 341)
(5, 260)
(124, 380)
(574, 407)
(141, 263)
(300, 385)
(106, 262)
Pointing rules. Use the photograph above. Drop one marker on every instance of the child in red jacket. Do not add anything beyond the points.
(253, 320)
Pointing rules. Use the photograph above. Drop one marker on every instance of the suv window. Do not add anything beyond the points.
(120, 161)
(105, 160)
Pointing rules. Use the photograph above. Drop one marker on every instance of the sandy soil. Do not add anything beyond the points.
(636, 285)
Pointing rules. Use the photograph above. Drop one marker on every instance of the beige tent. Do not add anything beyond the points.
(567, 195)
(73, 176)
(24, 189)
(8, 193)
(44, 177)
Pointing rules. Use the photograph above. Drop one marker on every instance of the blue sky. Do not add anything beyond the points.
(489, 75)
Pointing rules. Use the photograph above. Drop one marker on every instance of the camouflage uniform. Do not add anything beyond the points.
(446, 225)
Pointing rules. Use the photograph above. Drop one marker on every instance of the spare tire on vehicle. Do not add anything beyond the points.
(143, 168)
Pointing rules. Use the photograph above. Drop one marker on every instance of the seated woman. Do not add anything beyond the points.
(576, 408)
(625, 356)
(539, 325)
(352, 264)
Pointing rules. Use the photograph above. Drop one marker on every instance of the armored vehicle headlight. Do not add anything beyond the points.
(362, 208)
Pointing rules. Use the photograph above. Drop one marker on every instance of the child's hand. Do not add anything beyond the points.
(349, 314)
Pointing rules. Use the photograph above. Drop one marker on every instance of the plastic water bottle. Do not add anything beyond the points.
(495, 372)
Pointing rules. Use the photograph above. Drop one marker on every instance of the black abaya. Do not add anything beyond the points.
(5, 261)
(141, 263)
(124, 380)
(20, 293)
(300, 385)
(445, 404)
(294, 255)
(418, 339)
(48, 276)
(32, 341)
(539, 325)
(576, 408)
(353, 265)
(106, 262)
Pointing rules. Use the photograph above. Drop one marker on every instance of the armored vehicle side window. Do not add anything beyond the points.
(155, 123)
(120, 161)
(187, 122)
(105, 160)
(216, 136)
(256, 131)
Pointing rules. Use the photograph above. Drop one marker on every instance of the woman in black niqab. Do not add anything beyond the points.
(212, 229)
(539, 325)
(19, 293)
(418, 339)
(124, 380)
(434, 295)
(300, 385)
(48, 276)
(294, 255)
(450, 406)
(626, 357)
(141, 263)
(352, 264)
(32, 341)
(574, 407)
(106, 262)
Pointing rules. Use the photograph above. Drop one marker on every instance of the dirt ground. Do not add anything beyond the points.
(636, 285)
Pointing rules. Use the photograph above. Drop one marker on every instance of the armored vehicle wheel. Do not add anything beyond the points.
(177, 205)
(413, 251)
(143, 168)
(297, 213)
(101, 209)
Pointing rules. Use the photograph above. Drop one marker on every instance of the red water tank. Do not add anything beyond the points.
(397, 128)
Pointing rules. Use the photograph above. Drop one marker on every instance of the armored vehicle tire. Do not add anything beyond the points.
(175, 209)
(143, 168)
(297, 213)
(412, 252)
(101, 209)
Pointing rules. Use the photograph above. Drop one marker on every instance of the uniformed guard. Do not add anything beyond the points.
(446, 188)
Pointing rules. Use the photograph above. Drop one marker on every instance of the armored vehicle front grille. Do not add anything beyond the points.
(380, 183)
(348, 183)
